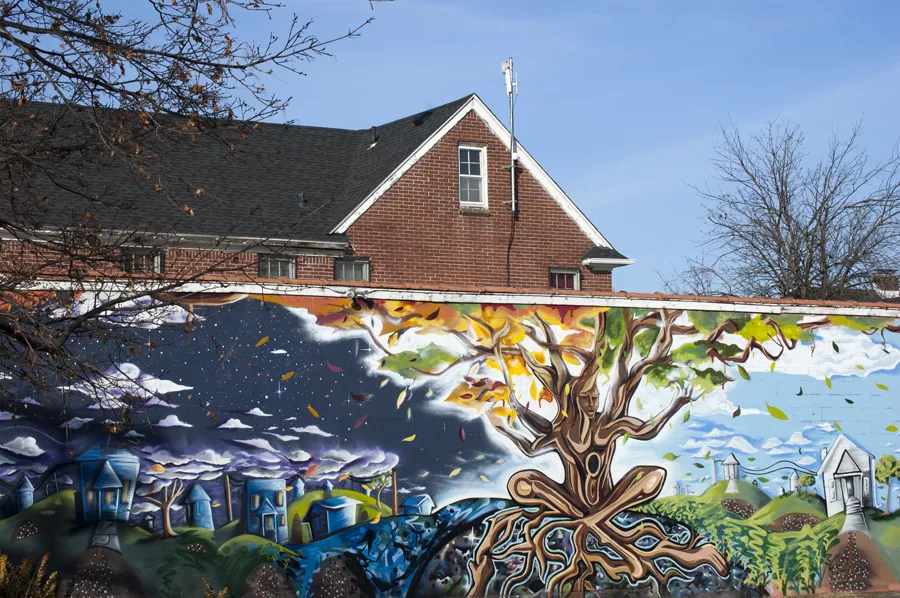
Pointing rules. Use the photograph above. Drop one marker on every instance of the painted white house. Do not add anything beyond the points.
(847, 471)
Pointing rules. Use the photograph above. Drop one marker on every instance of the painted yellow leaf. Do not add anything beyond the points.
(366, 487)
(288, 488)
(157, 468)
(424, 474)
(564, 414)
(484, 478)
(827, 381)
(216, 504)
(393, 339)
(838, 426)
(776, 412)
(455, 472)
(401, 397)
(533, 390)
(859, 367)
(262, 341)
(383, 383)
(287, 376)
(891, 428)
(312, 411)
(772, 367)
(429, 392)
(343, 477)
(882, 386)
(375, 518)
(409, 438)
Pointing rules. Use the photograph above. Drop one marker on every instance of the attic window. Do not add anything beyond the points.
(142, 261)
(471, 176)
(351, 269)
(568, 279)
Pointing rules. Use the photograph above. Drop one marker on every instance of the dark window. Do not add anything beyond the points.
(271, 266)
(254, 501)
(143, 261)
(282, 521)
(471, 176)
(565, 278)
(351, 269)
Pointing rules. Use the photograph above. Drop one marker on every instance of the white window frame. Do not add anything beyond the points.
(262, 257)
(559, 270)
(482, 152)
(367, 268)
(128, 255)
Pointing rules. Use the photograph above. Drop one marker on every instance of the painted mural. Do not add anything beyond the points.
(309, 446)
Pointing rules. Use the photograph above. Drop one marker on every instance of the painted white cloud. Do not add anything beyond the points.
(718, 433)
(143, 507)
(283, 437)
(771, 443)
(693, 443)
(313, 429)
(278, 352)
(260, 443)
(126, 379)
(798, 439)
(164, 457)
(172, 421)
(6, 416)
(855, 349)
(26, 446)
(134, 434)
(780, 450)
(76, 422)
(212, 457)
(807, 460)
(298, 456)
(704, 452)
(235, 424)
(258, 412)
(741, 444)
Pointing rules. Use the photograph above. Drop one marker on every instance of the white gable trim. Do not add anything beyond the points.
(499, 129)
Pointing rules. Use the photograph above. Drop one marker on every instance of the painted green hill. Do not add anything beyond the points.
(792, 502)
(746, 491)
(301, 505)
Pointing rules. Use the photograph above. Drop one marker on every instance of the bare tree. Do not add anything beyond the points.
(98, 103)
(781, 225)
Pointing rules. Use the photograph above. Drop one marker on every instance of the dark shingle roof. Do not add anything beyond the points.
(284, 181)
(606, 253)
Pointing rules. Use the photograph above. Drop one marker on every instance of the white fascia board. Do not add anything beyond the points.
(525, 160)
(502, 297)
(610, 262)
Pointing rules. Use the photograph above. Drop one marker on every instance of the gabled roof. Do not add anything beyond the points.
(730, 460)
(106, 478)
(836, 451)
(847, 465)
(417, 499)
(268, 508)
(25, 485)
(197, 494)
(284, 183)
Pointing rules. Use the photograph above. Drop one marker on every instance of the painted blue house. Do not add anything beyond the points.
(198, 508)
(331, 515)
(108, 479)
(417, 504)
(24, 494)
(266, 509)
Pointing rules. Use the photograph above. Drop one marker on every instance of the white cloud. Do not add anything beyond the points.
(771, 443)
(780, 450)
(235, 424)
(258, 412)
(856, 348)
(298, 456)
(807, 460)
(172, 421)
(704, 452)
(126, 379)
(26, 446)
(260, 443)
(315, 430)
(283, 437)
(164, 457)
(693, 443)
(212, 457)
(278, 352)
(6, 416)
(143, 507)
(76, 422)
(134, 434)
(742, 444)
(797, 439)
(717, 433)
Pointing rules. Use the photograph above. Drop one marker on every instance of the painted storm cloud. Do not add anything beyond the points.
(313, 446)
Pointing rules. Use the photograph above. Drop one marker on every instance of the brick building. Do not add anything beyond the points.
(424, 200)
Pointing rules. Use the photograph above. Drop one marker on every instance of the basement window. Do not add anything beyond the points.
(568, 279)
(272, 266)
(472, 187)
(351, 269)
(142, 261)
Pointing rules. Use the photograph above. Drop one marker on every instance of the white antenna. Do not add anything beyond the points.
(512, 90)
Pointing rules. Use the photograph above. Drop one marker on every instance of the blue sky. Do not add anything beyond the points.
(619, 100)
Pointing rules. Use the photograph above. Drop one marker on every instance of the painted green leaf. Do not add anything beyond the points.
(706, 456)
(670, 456)
(776, 412)
(743, 372)
(625, 438)
(751, 458)
(882, 386)
(784, 477)
(637, 402)
(827, 381)
(772, 367)
(891, 428)
(687, 416)
(838, 426)
(639, 475)
(737, 412)
(411, 364)
(835, 347)
(849, 401)
(688, 474)
(763, 480)
(800, 394)
(699, 465)
(703, 479)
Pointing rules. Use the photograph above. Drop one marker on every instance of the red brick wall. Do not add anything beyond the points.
(415, 233)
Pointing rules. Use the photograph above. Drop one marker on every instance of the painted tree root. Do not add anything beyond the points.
(543, 501)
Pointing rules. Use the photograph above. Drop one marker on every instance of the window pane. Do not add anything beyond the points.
(463, 168)
(351, 270)
(475, 162)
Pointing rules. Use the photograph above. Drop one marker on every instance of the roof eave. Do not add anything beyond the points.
(595, 264)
